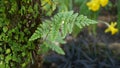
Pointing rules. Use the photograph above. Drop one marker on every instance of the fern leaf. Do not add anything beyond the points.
(83, 21)
(56, 29)
(36, 35)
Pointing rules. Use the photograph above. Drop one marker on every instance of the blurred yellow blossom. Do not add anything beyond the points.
(111, 28)
(94, 5)
(103, 3)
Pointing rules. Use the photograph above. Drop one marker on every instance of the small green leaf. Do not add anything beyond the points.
(0, 49)
(23, 65)
(30, 9)
(16, 37)
(8, 58)
(43, 49)
(2, 65)
(23, 54)
(8, 51)
(5, 29)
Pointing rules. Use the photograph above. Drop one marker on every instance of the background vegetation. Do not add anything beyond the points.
(30, 29)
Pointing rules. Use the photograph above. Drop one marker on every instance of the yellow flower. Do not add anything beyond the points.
(111, 28)
(103, 3)
(93, 5)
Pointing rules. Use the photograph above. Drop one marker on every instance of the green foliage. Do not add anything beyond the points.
(17, 22)
(53, 31)
(48, 6)
(83, 9)
(118, 16)
(51, 6)
(64, 5)
(20, 18)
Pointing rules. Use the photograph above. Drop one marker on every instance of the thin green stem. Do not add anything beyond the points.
(106, 23)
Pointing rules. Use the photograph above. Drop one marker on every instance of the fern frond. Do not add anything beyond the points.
(59, 26)
(82, 21)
